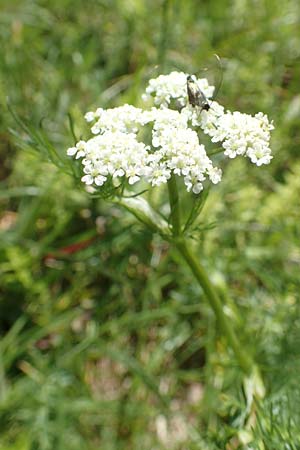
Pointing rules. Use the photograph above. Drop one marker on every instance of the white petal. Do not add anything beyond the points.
(87, 179)
(72, 151)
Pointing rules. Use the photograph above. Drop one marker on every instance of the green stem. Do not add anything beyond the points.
(198, 270)
(164, 34)
(224, 322)
(174, 205)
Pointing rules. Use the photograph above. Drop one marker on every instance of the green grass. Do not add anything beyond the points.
(104, 346)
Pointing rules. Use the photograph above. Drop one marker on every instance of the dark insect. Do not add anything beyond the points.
(196, 96)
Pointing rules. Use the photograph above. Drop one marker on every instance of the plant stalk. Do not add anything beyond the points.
(212, 296)
(175, 207)
(244, 360)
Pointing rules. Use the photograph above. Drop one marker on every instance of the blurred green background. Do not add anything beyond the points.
(106, 341)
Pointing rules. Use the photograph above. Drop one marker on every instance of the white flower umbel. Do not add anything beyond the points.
(112, 154)
(240, 134)
(179, 149)
(124, 118)
(166, 88)
(118, 152)
(129, 144)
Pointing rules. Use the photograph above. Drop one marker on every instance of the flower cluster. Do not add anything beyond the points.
(124, 119)
(166, 88)
(111, 154)
(240, 134)
(178, 150)
(117, 151)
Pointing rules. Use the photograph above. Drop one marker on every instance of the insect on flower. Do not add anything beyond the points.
(195, 95)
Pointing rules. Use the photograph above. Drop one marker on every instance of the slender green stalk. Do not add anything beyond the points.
(175, 207)
(164, 34)
(245, 362)
(215, 302)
